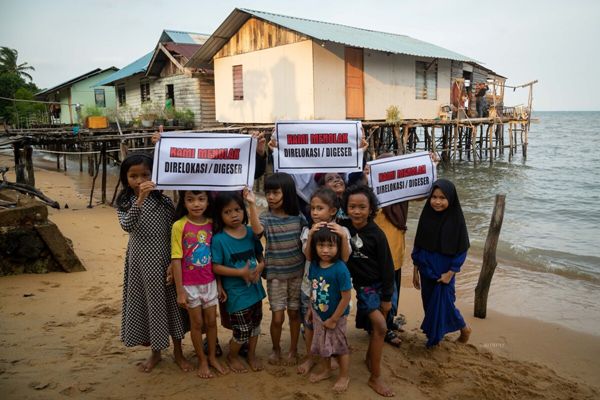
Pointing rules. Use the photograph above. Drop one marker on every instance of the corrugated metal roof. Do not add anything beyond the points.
(159, 59)
(139, 65)
(183, 37)
(186, 50)
(71, 82)
(326, 32)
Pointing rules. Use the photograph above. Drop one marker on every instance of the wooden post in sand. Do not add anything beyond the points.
(489, 258)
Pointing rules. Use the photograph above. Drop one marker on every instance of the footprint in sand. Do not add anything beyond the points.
(100, 311)
(53, 324)
(91, 293)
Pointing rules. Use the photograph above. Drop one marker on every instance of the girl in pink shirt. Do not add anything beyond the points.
(198, 290)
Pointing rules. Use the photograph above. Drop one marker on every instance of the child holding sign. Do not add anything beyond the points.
(197, 288)
(150, 312)
(237, 257)
(284, 261)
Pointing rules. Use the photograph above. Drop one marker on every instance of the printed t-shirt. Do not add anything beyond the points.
(190, 242)
(326, 287)
(304, 239)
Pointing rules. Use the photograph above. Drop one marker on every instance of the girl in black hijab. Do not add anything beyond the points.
(440, 249)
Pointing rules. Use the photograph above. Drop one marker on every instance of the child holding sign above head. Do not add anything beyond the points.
(372, 271)
(150, 312)
(284, 261)
(330, 297)
(197, 289)
(441, 245)
(323, 209)
(237, 257)
(336, 182)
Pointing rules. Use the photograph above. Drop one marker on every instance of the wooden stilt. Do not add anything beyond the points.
(489, 258)
(490, 143)
(103, 155)
(29, 165)
(404, 138)
(473, 140)
(526, 139)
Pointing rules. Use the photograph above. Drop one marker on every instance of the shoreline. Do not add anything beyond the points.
(64, 340)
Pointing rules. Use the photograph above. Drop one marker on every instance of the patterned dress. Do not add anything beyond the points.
(150, 311)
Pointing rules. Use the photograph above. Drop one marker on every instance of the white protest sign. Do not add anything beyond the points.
(317, 146)
(401, 178)
(204, 161)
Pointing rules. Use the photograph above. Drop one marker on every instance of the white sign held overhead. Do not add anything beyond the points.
(204, 161)
(318, 146)
(402, 178)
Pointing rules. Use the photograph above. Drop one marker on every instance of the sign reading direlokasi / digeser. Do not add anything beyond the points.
(318, 146)
(204, 161)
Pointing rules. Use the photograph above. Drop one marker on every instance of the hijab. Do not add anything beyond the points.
(446, 231)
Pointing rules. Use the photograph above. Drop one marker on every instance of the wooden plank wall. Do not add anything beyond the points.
(456, 71)
(255, 35)
(207, 101)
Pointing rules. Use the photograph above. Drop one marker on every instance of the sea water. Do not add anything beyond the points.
(549, 246)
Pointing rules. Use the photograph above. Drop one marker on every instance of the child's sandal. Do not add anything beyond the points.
(392, 338)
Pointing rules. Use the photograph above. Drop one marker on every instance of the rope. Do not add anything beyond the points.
(38, 101)
(88, 152)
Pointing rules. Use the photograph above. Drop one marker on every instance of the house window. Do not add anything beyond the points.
(426, 80)
(99, 97)
(170, 96)
(121, 95)
(145, 91)
(238, 83)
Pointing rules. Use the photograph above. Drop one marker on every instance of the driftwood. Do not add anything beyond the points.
(489, 258)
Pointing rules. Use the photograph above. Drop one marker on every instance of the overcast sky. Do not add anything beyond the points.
(556, 42)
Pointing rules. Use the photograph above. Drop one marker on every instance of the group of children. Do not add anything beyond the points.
(211, 243)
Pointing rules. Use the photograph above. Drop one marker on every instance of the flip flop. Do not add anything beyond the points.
(392, 338)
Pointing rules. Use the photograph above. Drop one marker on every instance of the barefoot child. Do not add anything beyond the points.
(372, 271)
(284, 261)
(323, 210)
(330, 297)
(441, 245)
(197, 289)
(237, 257)
(150, 312)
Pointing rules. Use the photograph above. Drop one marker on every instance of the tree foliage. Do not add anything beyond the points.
(9, 63)
(13, 85)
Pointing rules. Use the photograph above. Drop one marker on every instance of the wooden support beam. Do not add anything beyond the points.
(173, 60)
(489, 258)
(103, 155)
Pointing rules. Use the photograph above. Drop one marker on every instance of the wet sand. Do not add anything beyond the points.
(60, 338)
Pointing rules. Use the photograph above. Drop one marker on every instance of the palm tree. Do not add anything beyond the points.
(8, 63)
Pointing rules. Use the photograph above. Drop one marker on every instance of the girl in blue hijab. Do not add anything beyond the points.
(440, 249)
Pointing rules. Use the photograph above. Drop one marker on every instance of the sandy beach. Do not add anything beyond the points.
(59, 338)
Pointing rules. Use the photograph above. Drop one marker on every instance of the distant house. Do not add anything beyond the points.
(83, 91)
(159, 78)
(269, 67)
